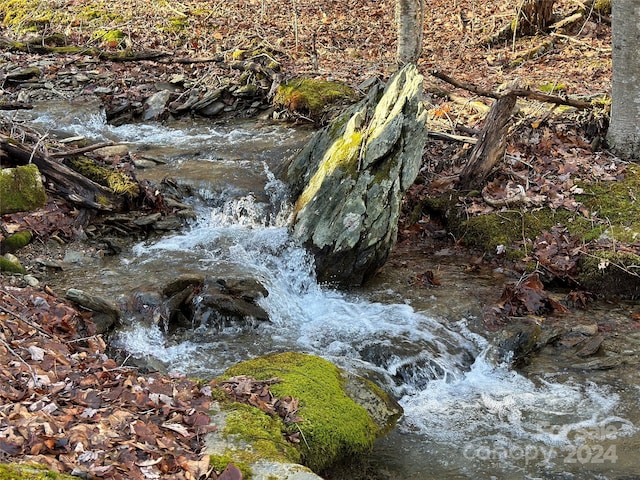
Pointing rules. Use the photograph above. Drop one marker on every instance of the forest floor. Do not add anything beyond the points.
(553, 155)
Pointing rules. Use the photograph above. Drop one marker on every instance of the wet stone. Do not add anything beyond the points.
(591, 347)
(588, 330)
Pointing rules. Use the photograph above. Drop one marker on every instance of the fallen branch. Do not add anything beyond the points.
(518, 92)
(584, 44)
(80, 151)
(452, 138)
(15, 106)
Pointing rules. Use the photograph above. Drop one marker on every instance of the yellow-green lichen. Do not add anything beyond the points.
(14, 471)
(111, 38)
(311, 96)
(603, 7)
(334, 427)
(177, 24)
(552, 87)
(342, 154)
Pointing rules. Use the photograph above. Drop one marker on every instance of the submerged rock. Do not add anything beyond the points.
(349, 180)
(193, 300)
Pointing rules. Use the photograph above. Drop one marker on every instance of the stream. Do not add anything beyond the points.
(466, 415)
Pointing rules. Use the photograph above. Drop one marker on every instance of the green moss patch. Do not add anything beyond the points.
(30, 472)
(263, 432)
(220, 462)
(611, 272)
(616, 205)
(515, 229)
(615, 221)
(334, 427)
(11, 266)
(307, 95)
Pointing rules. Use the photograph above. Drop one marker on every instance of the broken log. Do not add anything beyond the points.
(491, 145)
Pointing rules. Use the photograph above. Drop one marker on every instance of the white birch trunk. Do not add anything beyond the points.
(409, 22)
(624, 129)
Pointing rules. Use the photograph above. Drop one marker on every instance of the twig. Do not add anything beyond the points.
(451, 137)
(40, 140)
(584, 44)
(78, 151)
(25, 320)
(302, 434)
(15, 354)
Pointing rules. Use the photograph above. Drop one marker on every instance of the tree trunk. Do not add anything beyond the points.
(409, 23)
(624, 130)
(534, 16)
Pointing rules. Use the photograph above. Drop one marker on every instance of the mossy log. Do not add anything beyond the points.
(56, 47)
(66, 182)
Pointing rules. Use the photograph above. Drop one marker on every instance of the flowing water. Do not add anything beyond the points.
(466, 416)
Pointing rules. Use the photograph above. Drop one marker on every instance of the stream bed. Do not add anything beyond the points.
(466, 415)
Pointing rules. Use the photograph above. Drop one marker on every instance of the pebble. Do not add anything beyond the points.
(31, 281)
(589, 330)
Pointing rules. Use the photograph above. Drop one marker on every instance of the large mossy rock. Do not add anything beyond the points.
(341, 416)
(21, 189)
(349, 179)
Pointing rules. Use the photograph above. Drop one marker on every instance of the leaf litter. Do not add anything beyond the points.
(65, 404)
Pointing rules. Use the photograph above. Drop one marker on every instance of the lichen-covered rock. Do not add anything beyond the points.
(341, 415)
(349, 180)
(21, 189)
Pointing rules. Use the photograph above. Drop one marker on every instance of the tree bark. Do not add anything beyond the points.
(534, 16)
(624, 129)
(490, 147)
(409, 22)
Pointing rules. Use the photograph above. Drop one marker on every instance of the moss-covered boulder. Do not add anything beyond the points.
(341, 416)
(310, 96)
(14, 471)
(15, 241)
(10, 264)
(21, 189)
